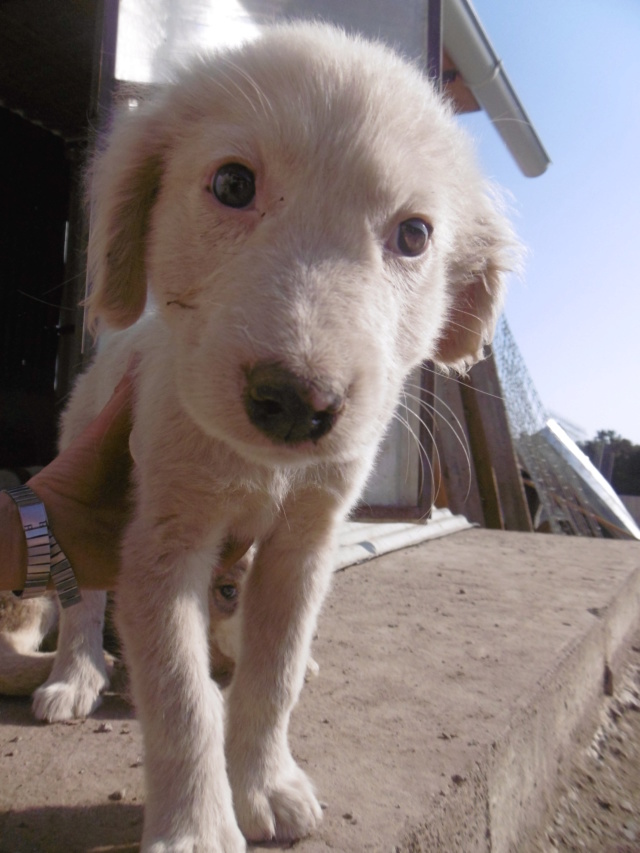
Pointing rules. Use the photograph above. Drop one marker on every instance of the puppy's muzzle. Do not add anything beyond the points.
(287, 408)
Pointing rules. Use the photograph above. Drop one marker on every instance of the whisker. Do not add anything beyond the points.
(76, 277)
(264, 101)
(461, 439)
(461, 382)
(463, 327)
(434, 491)
(433, 409)
(423, 455)
(423, 404)
(411, 433)
(45, 301)
(459, 310)
(230, 91)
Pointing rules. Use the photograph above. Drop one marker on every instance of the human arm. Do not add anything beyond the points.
(86, 494)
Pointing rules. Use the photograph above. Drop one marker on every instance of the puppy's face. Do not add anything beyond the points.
(314, 227)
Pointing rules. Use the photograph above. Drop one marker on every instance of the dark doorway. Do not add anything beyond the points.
(34, 177)
(46, 72)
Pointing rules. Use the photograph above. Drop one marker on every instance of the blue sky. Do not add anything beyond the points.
(575, 65)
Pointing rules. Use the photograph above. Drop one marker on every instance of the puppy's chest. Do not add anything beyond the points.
(251, 515)
(252, 508)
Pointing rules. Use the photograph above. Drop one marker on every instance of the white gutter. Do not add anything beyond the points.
(470, 49)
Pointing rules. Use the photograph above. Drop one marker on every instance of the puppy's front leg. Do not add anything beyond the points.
(272, 796)
(79, 673)
(163, 619)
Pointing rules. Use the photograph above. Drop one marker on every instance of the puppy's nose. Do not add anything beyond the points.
(287, 408)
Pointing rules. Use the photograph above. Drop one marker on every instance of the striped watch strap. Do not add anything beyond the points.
(36, 529)
(63, 576)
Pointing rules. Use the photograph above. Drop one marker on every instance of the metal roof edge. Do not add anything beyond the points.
(468, 45)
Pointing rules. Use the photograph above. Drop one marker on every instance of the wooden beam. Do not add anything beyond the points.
(497, 468)
(453, 450)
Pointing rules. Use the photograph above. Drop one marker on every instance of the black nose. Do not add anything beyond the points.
(287, 408)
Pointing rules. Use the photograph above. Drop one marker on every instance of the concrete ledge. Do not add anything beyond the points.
(468, 668)
(454, 679)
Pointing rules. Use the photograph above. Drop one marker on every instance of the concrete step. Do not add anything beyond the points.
(455, 678)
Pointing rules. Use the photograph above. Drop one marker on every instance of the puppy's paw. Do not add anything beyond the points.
(61, 701)
(282, 811)
(70, 695)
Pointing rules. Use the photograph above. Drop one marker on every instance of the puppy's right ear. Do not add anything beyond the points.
(123, 182)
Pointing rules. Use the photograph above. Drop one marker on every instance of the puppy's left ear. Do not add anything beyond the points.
(123, 181)
(487, 251)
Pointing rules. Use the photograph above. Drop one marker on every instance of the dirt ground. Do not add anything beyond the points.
(598, 809)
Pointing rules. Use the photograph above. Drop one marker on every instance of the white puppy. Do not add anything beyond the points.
(310, 224)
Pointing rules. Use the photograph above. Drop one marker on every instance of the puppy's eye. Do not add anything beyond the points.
(411, 237)
(225, 597)
(228, 591)
(234, 185)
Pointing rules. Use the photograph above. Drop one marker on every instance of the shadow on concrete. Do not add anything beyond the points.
(16, 711)
(92, 829)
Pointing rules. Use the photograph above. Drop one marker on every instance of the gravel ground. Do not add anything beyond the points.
(598, 808)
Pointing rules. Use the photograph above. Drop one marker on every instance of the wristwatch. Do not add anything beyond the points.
(45, 558)
(36, 529)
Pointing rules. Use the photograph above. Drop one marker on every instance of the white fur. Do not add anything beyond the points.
(346, 141)
(23, 627)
